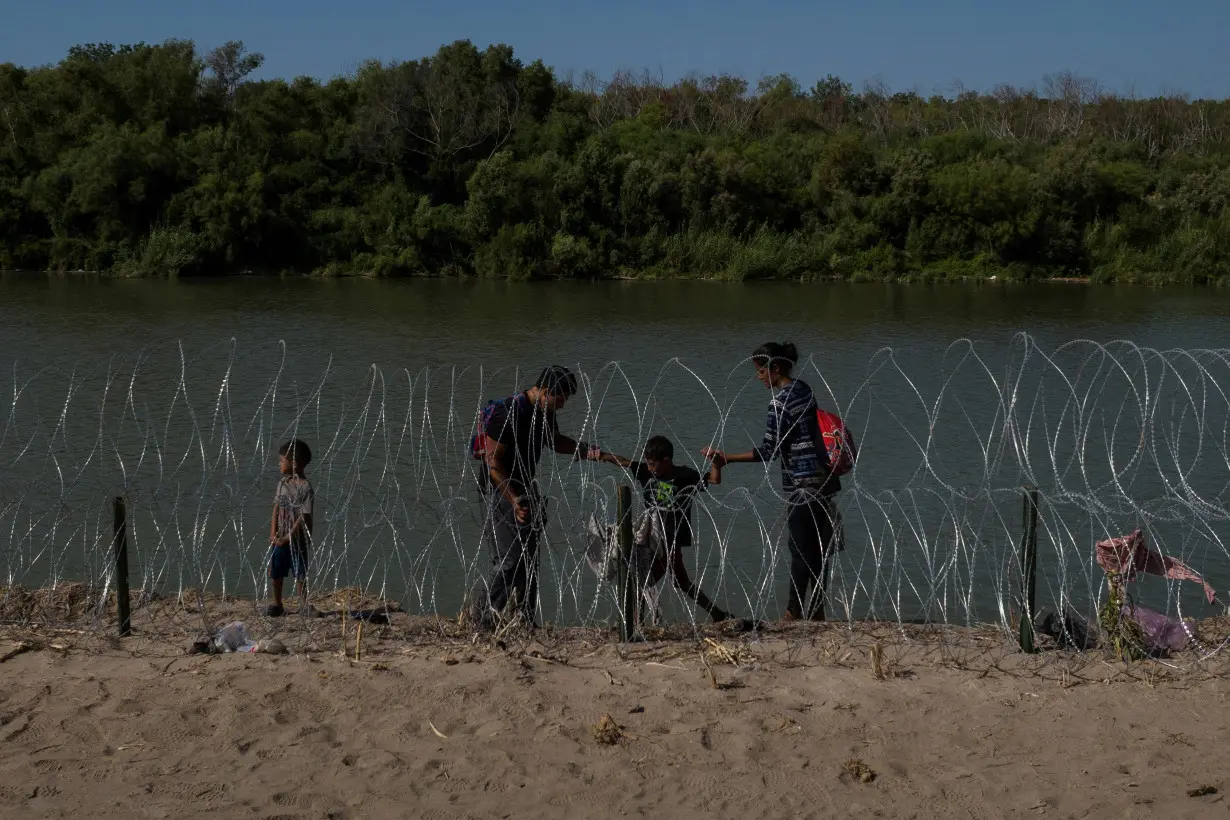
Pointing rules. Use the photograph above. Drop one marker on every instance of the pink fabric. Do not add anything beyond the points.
(1129, 554)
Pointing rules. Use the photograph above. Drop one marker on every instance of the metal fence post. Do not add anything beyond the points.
(1029, 566)
(122, 604)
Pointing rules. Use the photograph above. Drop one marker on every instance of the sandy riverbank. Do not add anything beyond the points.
(430, 724)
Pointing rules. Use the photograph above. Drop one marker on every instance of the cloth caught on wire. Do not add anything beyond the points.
(1129, 555)
(649, 547)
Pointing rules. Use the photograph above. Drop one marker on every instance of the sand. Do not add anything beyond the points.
(808, 721)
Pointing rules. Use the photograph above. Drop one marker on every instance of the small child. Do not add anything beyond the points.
(670, 489)
(290, 530)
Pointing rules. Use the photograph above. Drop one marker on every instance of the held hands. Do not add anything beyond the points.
(521, 509)
(715, 455)
(280, 541)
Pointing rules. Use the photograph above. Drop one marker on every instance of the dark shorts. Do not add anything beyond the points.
(284, 561)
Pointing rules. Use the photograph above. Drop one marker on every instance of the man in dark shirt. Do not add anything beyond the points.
(516, 431)
(670, 489)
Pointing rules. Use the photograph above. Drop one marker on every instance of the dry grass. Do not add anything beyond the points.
(62, 603)
(164, 626)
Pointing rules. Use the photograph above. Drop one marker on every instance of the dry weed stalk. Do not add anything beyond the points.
(24, 646)
(344, 609)
(723, 654)
(877, 662)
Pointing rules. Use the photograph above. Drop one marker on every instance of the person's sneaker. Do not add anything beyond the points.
(275, 611)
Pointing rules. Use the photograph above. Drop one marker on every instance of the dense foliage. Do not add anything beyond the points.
(159, 160)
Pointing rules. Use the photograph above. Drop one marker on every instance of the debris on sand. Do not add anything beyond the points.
(606, 731)
(858, 770)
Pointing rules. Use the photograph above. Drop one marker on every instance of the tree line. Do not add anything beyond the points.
(160, 160)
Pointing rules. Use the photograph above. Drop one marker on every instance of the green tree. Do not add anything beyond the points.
(157, 160)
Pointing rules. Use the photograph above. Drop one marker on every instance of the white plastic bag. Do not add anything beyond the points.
(603, 555)
(233, 638)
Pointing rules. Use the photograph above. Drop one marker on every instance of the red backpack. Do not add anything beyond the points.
(478, 440)
(838, 441)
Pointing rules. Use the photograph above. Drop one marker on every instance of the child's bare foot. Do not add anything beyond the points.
(790, 616)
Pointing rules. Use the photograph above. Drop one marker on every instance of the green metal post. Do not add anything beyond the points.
(120, 522)
(1029, 566)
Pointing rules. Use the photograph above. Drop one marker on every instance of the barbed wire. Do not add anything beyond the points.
(1114, 437)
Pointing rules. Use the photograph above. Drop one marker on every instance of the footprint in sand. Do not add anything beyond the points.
(291, 800)
(710, 786)
(313, 803)
(180, 789)
(16, 727)
(51, 766)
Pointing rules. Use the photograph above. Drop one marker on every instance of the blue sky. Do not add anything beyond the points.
(1153, 46)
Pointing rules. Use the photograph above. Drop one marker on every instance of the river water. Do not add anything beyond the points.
(177, 394)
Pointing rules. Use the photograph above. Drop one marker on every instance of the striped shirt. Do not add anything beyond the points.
(792, 433)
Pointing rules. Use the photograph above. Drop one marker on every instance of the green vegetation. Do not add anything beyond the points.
(156, 160)
(1120, 633)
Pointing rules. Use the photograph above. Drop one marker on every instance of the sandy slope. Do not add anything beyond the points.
(105, 732)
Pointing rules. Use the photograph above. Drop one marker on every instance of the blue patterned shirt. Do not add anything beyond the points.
(792, 433)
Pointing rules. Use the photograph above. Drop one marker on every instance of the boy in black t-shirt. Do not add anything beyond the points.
(670, 489)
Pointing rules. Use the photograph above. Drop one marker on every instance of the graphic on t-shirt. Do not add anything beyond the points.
(664, 493)
(672, 498)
